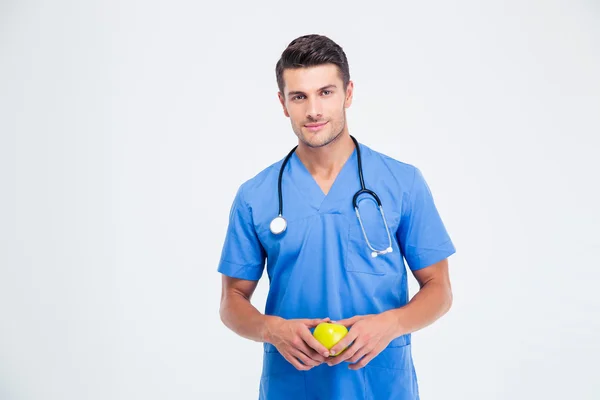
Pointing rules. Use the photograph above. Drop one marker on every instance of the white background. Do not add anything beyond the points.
(126, 129)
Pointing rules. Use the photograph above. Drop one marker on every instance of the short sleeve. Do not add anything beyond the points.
(242, 256)
(422, 235)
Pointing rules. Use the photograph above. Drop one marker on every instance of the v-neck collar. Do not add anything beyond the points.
(309, 187)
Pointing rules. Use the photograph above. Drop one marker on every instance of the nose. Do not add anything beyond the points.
(314, 110)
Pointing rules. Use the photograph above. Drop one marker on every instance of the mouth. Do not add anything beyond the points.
(315, 127)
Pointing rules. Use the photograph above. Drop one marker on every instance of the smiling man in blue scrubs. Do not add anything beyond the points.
(321, 267)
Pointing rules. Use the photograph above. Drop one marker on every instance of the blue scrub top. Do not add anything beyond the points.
(322, 267)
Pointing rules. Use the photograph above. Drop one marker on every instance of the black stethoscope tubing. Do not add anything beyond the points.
(279, 224)
(362, 190)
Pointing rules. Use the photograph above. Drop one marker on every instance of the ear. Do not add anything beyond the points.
(349, 93)
(282, 101)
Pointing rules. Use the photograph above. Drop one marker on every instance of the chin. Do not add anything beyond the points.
(317, 139)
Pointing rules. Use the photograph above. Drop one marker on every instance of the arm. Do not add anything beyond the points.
(292, 338)
(238, 314)
(426, 246)
(430, 303)
(241, 265)
(373, 333)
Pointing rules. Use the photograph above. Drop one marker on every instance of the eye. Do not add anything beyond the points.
(326, 92)
(297, 97)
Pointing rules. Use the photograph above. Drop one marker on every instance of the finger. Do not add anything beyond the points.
(311, 353)
(364, 361)
(295, 363)
(311, 323)
(310, 340)
(342, 344)
(359, 354)
(348, 322)
(307, 361)
(346, 354)
(350, 351)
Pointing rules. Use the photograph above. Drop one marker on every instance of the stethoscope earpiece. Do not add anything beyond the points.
(376, 253)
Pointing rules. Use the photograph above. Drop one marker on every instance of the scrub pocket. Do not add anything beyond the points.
(391, 375)
(359, 253)
(280, 380)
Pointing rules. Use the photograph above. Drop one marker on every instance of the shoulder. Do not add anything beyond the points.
(403, 173)
(264, 181)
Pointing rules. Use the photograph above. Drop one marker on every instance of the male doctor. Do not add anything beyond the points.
(322, 267)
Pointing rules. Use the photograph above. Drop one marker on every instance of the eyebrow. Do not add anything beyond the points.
(323, 88)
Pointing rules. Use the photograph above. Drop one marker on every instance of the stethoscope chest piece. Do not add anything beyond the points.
(278, 225)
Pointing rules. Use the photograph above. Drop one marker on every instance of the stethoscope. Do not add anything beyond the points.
(279, 224)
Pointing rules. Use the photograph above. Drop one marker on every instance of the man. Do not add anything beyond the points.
(325, 263)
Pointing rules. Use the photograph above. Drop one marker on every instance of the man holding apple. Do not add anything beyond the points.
(324, 267)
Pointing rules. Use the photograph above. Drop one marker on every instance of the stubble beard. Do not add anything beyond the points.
(336, 129)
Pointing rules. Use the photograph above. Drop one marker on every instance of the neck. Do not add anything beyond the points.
(328, 160)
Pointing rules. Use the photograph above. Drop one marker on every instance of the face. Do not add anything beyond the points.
(315, 101)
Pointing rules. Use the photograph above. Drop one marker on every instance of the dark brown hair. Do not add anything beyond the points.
(309, 51)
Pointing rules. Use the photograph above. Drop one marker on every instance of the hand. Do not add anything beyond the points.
(368, 336)
(295, 342)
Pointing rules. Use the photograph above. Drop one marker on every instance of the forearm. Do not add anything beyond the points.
(239, 315)
(430, 303)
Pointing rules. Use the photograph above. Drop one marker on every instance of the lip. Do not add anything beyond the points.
(315, 127)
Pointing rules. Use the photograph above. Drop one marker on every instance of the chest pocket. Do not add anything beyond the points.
(359, 252)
